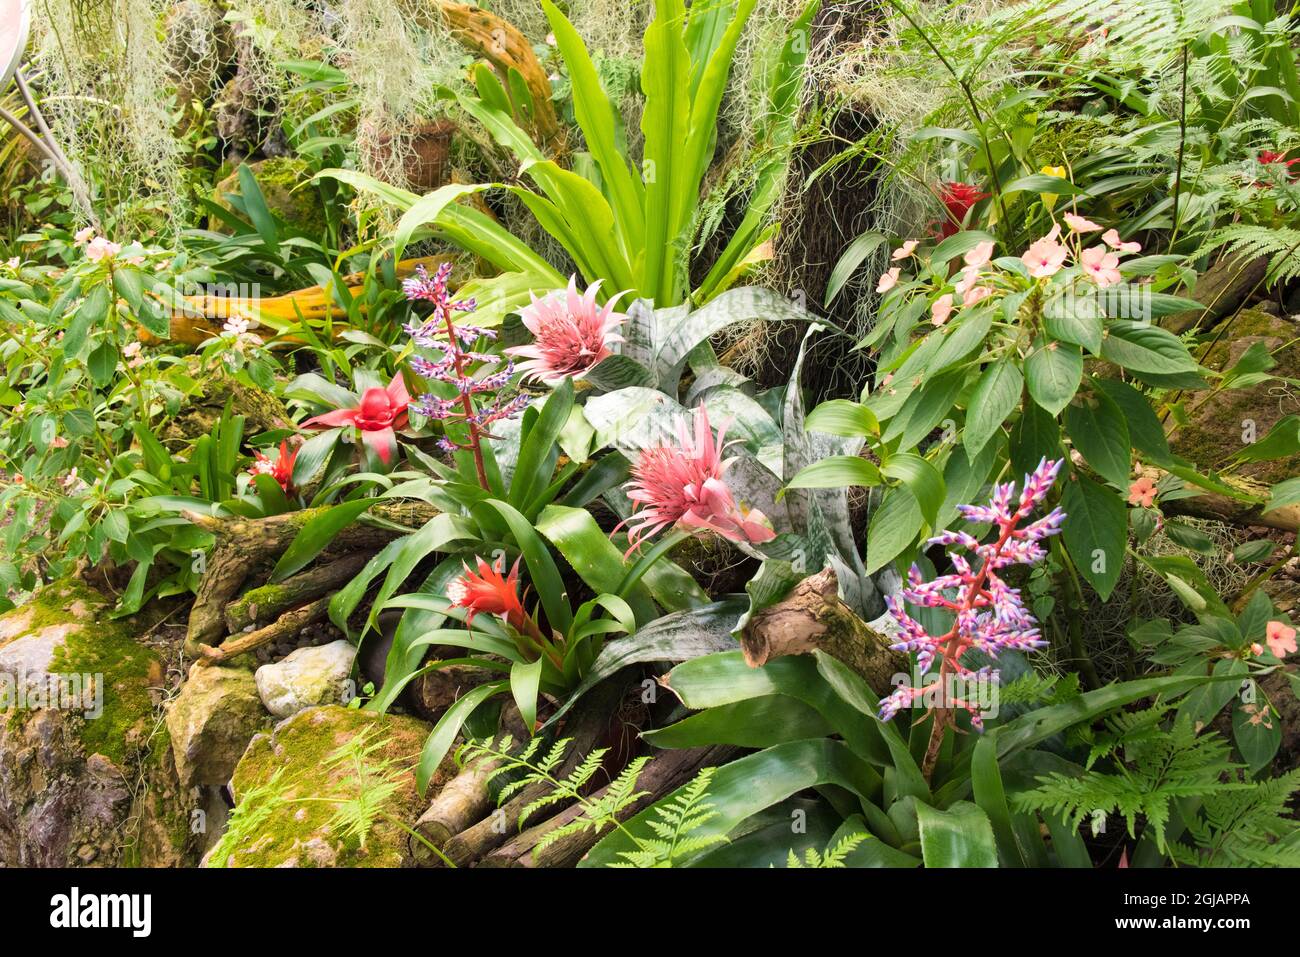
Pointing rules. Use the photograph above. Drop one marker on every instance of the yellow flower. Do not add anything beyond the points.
(1049, 199)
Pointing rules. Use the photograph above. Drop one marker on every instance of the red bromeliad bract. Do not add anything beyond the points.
(378, 414)
(957, 199)
(683, 485)
(488, 592)
(281, 469)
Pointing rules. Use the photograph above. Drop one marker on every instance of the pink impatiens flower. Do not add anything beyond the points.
(1280, 638)
(1079, 224)
(905, 250)
(378, 415)
(980, 255)
(1142, 492)
(100, 248)
(684, 485)
(975, 294)
(888, 281)
(941, 310)
(1111, 238)
(1045, 256)
(571, 333)
(1100, 265)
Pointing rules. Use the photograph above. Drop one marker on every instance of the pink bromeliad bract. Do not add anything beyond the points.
(683, 485)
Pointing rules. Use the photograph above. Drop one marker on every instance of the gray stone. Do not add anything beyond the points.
(308, 677)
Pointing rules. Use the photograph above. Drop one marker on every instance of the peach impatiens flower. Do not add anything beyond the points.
(975, 294)
(1080, 225)
(905, 250)
(683, 485)
(980, 255)
(100, 248)
(1046, 256)
(571, 333)
(1100, 265)
(1280, 638)
(888, 281)
(1111, 238)
(941, 310)
(1142, 492)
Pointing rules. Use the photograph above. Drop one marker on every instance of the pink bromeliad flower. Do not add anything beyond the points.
(571, 333)
(378, 414)
(683, 485)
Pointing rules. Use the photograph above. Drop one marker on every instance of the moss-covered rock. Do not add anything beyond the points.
(211, 722)
(1218, 421)
(298, 784)
(284, 184)
(85, 776)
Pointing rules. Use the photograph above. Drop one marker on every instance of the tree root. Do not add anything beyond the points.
(811, 618)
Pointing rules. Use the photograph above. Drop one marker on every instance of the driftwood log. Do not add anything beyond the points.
(1228, 510)
(661, 776)
(588, 730)
(814, 618)
(242, 543)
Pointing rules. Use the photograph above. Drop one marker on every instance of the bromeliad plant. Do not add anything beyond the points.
(629, 223)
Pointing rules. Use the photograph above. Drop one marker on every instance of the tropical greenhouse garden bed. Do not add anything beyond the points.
(607, 434)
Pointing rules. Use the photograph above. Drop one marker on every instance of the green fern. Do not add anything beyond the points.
(1280, 244)
(673, 824)
(1245, 828)
(833, 857)
(1158, 767)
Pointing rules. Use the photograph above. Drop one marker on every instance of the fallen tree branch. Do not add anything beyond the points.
(664, 774)
(814, 618)
(242, 542)
(265, 604)
(587, 731)
(288, 624)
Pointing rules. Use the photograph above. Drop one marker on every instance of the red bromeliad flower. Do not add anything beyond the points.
(281, 469)
(683, 485)
(489, 592)
(957, 199)
(378, 415)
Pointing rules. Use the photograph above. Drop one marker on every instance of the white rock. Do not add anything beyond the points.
(306, 678)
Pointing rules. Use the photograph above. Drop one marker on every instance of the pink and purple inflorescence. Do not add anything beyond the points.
(989, 614)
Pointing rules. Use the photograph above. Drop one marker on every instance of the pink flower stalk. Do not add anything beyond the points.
(683, 485)
(988, 613)
(480, 400)
(888, 281)
(378, 414)
(1046, 256)
(571, 333)
(1101, 266)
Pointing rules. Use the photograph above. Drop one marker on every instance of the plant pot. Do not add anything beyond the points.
(428, 154)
